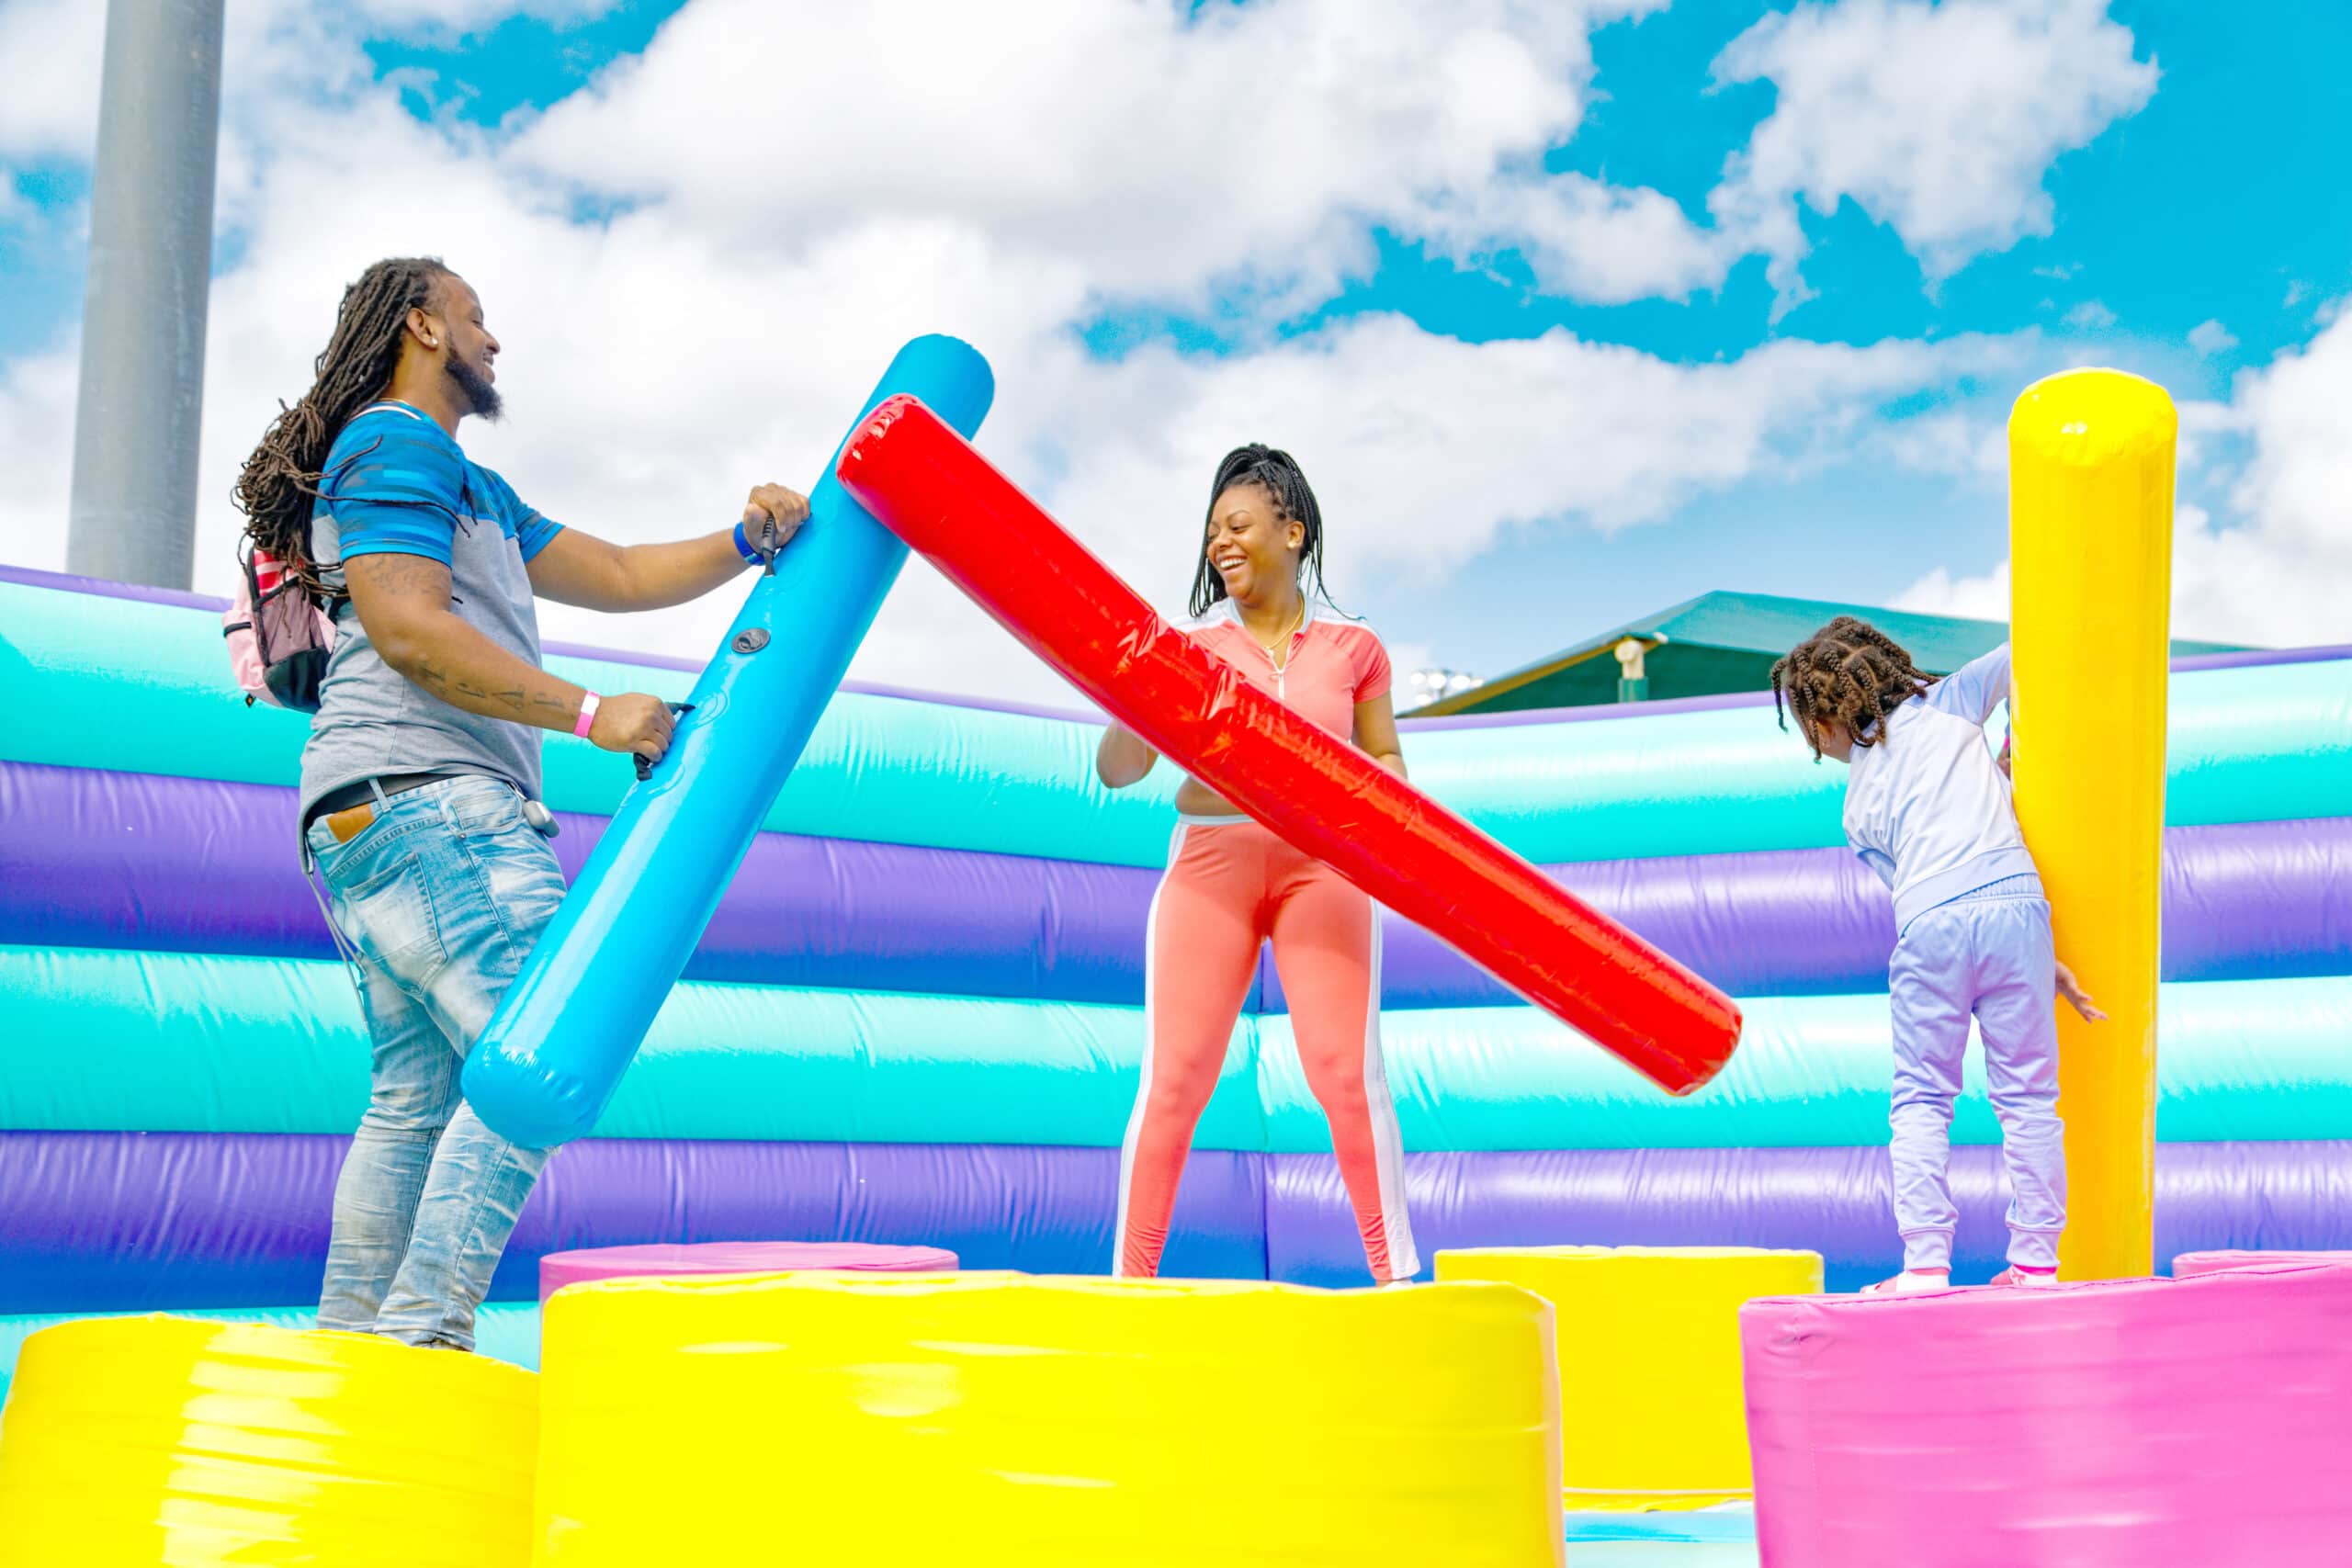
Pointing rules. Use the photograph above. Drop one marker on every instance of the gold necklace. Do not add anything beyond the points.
(1284, 639)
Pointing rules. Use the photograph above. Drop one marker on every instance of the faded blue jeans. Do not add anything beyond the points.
(1986, 952)
(442, 898)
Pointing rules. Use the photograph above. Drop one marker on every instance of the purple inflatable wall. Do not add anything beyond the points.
(100, 1220)
(134, 860)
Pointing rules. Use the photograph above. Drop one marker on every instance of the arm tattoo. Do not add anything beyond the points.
(512, 701)
(412, 574)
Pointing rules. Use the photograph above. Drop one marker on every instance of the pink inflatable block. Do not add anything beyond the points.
(2188, 1265)
(558, 1270)
(2134, 1423)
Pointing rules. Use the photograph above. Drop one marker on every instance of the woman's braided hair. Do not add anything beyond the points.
(281, 478)
(1848, 671)
(1277, 473)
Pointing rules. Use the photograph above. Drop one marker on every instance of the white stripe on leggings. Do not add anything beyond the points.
(1150, 1039)
(1387, 1142)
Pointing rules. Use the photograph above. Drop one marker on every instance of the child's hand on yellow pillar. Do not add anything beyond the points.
(2080, 1000)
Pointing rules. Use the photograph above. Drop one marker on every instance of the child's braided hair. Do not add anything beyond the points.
(1849, 672)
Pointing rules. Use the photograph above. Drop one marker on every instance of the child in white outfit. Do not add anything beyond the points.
(1927, 808)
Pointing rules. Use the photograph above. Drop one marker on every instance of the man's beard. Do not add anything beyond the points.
(482, 398)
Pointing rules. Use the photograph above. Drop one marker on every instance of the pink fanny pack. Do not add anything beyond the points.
(279, 636)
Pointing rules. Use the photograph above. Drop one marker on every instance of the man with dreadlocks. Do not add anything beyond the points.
(1927, 808)
(420, 783)
(1232, 885)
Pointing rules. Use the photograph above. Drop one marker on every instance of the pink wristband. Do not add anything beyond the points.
(587, 716)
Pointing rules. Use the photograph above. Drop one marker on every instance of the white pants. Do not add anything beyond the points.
(1986, 952)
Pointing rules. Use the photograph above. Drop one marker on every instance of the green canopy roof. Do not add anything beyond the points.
(1727, 642)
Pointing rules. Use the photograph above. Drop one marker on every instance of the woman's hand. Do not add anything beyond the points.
(2078, 997)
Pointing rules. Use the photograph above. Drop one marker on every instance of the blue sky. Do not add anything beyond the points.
(2196, 233)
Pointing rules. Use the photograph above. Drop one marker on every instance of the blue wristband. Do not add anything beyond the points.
(743, 546)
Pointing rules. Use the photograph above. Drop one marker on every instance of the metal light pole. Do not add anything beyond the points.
(141, 403)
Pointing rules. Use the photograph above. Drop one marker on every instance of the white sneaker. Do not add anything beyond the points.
(1911, 1282)
(2031, 1279)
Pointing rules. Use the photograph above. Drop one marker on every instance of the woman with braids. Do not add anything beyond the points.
(1927, 808)
(1231, 885)
(420, 780)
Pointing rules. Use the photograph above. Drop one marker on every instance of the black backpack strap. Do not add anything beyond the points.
(254, 595)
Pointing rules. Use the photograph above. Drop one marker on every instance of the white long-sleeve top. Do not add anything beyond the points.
(1926, 807)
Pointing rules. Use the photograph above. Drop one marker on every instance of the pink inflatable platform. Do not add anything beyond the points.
(2134, 1423)
(2188, 1265)
(558, 1270)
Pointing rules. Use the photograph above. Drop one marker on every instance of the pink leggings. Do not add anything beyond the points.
(1229, 887)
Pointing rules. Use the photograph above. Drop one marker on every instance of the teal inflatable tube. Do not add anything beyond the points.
(505, 1331)
(884, 769)
(2241, 1059)
(2257, 743)
(2251, 744)
(200, 1042)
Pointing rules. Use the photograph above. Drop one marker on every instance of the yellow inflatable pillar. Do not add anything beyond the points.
(2090, 552)
(130, 1442)
(1653, 1411)
(1003, 1419)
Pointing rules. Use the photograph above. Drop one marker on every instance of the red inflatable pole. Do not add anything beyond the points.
(928, 485)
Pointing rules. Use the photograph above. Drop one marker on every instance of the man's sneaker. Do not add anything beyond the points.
(1911, 1282)
(2032, 1279)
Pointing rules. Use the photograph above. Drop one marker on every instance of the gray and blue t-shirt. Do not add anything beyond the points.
(396, 484)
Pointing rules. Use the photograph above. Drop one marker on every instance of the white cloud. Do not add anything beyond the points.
(1429, 448)
(2208, 429)
(2298, 484)
(2211, 337)
(2090, 316)
(2262, 554)
(1170, 157)
(1985, 598)
(1607, 244)
(720, 332)
(654, 366)
(1956, 443)
(51, 110)
(1938, 120)
(1156, 152)
(37, 456)
(1425, 451)
(408, 16)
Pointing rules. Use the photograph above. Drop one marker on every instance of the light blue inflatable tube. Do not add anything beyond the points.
(504, 1331)
(2252, 743)
(551, 1056)
(195, 1043)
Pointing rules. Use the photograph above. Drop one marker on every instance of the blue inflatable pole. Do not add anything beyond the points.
(555, 1050)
